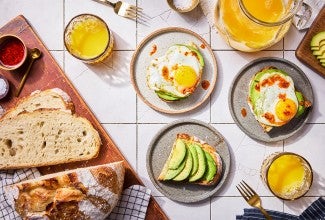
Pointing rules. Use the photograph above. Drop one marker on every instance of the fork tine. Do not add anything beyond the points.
(246, 190)
(129, 15)
(240, 191)
(135, 8)
(249, 188)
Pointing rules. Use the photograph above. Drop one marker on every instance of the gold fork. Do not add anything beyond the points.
(252, 198)
(123, 9)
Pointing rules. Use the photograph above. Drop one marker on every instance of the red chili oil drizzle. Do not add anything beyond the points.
(11, 52)
(205, 84)
(243, 112)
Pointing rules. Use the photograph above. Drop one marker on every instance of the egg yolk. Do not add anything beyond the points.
(285, 109)
(185, 76)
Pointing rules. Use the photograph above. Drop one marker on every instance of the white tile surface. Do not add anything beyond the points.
(44, 15)
(107, 89)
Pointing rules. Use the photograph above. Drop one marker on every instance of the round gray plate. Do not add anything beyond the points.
(239, 92)
(160, 148)
(163, 39)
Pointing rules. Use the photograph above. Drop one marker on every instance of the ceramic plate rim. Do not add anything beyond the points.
(226, 164)
(243, 71)
(143, 44)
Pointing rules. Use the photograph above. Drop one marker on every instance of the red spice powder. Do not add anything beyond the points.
(11, 52)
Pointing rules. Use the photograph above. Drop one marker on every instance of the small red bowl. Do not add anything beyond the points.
(13, 52)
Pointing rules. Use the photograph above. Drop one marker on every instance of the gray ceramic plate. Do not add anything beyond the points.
(239, 92)
(160, 148)
(163, 39)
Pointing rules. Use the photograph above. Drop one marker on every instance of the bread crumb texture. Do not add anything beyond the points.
(46, 137)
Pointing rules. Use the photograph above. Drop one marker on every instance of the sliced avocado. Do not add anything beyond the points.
(320, 51)
(202, 164)
(321, 57)
(178, 155)
(193, 151)
(211, 167)
(167, 96)
(315, 41)
(172, 173)
(321, 43)
(200, 56)
(185, 173)
(301, 107)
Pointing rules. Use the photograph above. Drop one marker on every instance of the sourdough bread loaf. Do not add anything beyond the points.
(50, 99)
(46, 137)
(84, 193)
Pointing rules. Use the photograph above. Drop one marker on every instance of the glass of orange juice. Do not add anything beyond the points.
(288, 175)
(253, 25)
(88, 38)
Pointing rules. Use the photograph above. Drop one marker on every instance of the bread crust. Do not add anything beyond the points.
(27, 103)
(84, 193)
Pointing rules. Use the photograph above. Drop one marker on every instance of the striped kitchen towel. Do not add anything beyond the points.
(316, 211)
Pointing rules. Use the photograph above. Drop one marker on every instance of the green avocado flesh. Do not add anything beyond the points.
(316, 40)
(178, 155)
(197, 165)
(193, 152)
(202, 165)
(185, 173)
(255, 94)
(317, 45)
(211, 168)
(301, 107)
(172, 173)
(167, 96)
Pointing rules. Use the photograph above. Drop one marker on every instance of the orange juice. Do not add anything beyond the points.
(288, 175)
(245, 34)
(87, 37)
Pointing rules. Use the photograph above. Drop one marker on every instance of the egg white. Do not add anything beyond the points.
(269, 97)
(175, 55)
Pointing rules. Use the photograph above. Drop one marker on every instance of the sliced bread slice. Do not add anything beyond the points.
(46, 137)
(51, 99)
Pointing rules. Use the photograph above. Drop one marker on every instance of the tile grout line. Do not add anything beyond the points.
(63, 49)
(136, 105)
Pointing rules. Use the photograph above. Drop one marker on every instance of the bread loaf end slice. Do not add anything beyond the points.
(46, 137)
(50, 99)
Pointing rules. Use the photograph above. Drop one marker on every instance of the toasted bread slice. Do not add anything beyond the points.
(188, 140)
(255, 85)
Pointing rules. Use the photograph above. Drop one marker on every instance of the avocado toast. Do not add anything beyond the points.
(192, 160)
(273, 98)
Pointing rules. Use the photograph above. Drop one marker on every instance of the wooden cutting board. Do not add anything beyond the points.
(45, 74)
(303, 52)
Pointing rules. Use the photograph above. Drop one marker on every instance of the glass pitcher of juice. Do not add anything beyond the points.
(253, 25)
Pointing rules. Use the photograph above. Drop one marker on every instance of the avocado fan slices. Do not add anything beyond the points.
(192, 161)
